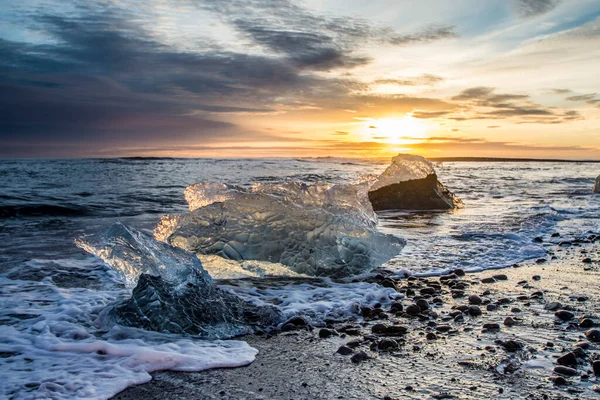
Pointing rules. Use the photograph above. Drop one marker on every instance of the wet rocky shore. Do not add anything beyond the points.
(530, 331)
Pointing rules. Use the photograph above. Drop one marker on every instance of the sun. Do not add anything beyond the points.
(403, 130)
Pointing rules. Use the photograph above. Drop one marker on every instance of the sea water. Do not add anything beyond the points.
(53, 339)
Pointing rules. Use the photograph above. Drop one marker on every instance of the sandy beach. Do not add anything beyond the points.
(444, 354)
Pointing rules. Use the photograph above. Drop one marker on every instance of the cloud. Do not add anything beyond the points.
(429, 114)
(587, 98)
(534, 8)
(429, 34)
(422, 80)
(559, 91)
(483, 102)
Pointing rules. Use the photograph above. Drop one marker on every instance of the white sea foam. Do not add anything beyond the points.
(63, 352)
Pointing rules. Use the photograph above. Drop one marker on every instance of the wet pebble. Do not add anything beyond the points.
(474, 299)
(474, 311)
(568, 360)
(500, 277)
(387, 344)
(508, 321)
(593, 335)
(325, 333)
(431, 336)
(488, 280)
(491, 307)
(344, 350)
(561, 369)
(558, 380)
(359, 357)
(586, 323)
(553, 306)
(596, 367)
(491, 326)
(564, 315)
(413, 310)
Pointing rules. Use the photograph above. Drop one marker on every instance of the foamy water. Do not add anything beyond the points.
(54, 341)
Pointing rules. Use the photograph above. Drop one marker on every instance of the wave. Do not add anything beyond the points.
(44, 210)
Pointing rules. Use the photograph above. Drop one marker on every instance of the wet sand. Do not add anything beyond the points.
(444, 354)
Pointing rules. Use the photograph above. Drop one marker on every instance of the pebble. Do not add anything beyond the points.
(459, 272)
(536, 278)
(396, 307)
(586, 323)
(422, 304)
(431, 336)
(509, 321)
(587, 260)
(344, 350)
(561, 369)
(379, 329)
(512, 345)
(555, 305)
(500, 277)
(387, 344)
(359, 357)
(568, 360)
(583, 345)
(491, 307)
(596, 367)
(474, 299)
(474, 311)
(413, 310)
(593, 335)
(324, 333)
(564, 315)
(491, 326)
(488, 280)
(558, 380)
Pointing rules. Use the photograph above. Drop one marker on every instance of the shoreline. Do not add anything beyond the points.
(445, 353)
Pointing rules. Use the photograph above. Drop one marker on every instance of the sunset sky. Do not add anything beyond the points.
(268, 78)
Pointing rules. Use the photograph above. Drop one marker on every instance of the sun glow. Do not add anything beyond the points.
(405, 130)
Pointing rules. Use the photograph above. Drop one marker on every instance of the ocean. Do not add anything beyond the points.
(54, 342)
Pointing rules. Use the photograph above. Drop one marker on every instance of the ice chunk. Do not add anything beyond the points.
(204, 193)
(322, 230)
(132, 253)
(404, 167)
(173, 292)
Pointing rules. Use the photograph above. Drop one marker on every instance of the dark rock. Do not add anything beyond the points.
(596, 367)
(555, 234)
(540, 261)
(427, 291)
(396, 307)
(586, 323)
(583, 345)
(555, 305)
(422, 304)
(561, 369)
(459, 272)
(491, 326)
(587, 260)
(297, 321)
(431, 336)
(593, 335)
(474, 299)
(352, 330)
(324, 333)
(568, 360)
(366, 311)
(512, 345)
(456, 294)
(354, 343)
(515, 310)
(509, 321)
(491, 307)
(413, 310)
(488, 280)
(564, 315)
(558, 380)
(379, 329)
(359, 357)
(418, 194)
(344, 350)
(396, 330)
(500, 277)
(538, 240)
(474, 311)
(443, 328)
(387, 344)
(536, 278)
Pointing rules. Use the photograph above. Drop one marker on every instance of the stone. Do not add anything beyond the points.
(500, 277)
(431, 336)
(359, 357)
(422, 304)
(586, 323)
(413, 310)
(410, 183)
(536, 278)
(553, 306)
(488, 280)
(396, 307)
(564, 315)
(512, 345)
(344, 350)
(561, 369)
(558, 380)
(569, 360)
(474, 299)
(491, 326)
(587, 260)
(509, 321)
(379, 329)
(396, 330)
(491, 307)
(593, 335)
(596, 367)
(387, 344)
(325, 333)
(474, 311)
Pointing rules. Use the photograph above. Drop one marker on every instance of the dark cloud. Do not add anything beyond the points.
(533, 8)
(559, 91)
(493, 126)
(341, 133)
(427, 35)
(588, 98)
(484, 103)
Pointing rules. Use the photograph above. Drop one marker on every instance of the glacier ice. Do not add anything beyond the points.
(315, 230)
(173, 293)
(404, 167)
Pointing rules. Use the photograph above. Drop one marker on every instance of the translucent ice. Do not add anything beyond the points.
(173, 293)
(314, 230)
(404, 167)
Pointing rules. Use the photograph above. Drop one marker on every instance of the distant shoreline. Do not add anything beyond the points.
(492, 159)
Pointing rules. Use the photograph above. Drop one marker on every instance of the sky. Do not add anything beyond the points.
(313, 78)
